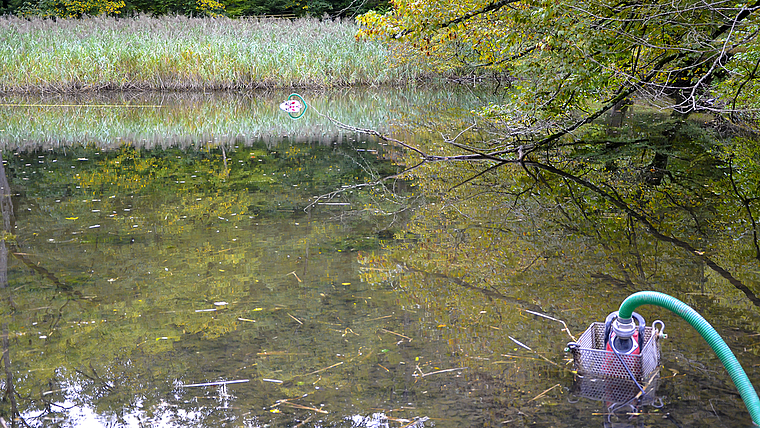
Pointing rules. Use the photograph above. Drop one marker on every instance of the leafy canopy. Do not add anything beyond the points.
(564, 55)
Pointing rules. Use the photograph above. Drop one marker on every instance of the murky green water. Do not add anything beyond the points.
(179, 269)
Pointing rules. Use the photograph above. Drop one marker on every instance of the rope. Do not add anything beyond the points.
(85, 105)
(625, 366)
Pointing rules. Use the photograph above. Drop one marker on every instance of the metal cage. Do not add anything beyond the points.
(617, 391)
(591, 359)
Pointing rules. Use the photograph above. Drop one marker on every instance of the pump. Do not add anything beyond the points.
(624, 336)
(620, 348)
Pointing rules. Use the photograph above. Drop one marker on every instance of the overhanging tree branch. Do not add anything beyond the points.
(491, 7)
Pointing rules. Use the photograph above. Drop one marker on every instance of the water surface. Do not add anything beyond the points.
(206, 261)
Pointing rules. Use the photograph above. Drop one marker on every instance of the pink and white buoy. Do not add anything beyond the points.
(294, 106)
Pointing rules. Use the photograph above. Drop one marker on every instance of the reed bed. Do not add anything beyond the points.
(181, 53)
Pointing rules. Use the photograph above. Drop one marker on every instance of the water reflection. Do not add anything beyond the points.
(187, 286)
(573, 230)
(202, 299)
(624, 399)
(162, 120)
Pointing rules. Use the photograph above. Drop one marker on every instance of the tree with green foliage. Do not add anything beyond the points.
(71, 8)
(570, 63)
(231, 8)
(573, 72)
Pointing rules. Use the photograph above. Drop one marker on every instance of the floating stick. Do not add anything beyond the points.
(326, 368)
(297, 320)
(567, 330)
(520, 343)
(302, 423)
(443, 371)
(543, 393)
(535, 352)
(379, 318)
(298, 406)
(397, 334)
(221, 382)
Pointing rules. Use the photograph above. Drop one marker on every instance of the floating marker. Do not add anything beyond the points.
(295, 106)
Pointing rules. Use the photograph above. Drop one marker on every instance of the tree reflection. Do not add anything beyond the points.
(573, 227)
(140, 275)
(6, 206)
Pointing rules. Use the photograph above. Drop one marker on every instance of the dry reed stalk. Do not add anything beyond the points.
(299, 406)
(443, 371)
(397, 334)
(543, 393)
(326, 368)
(296, 319)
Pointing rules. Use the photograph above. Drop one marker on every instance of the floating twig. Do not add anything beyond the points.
(271, 380)
(516, 356)
(566, 330)
(221, 382)
(443, 371)
(349, 330)
(535, 352)
(379, 318)
(326, 368)
(297, 320)
(279, 353)
(543, 393)
(302, 423)
(520, 343)
(397, 334)
(296, 275)
(299, 406)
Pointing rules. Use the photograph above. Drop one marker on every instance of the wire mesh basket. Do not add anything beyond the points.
(592, 359)
(618, 391)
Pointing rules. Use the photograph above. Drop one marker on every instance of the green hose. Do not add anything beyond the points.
(735, 370)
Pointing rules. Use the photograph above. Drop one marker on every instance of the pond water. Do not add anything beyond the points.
(202, 260)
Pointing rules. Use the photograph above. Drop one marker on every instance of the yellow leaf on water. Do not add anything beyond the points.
(71, 218)
(258, 309)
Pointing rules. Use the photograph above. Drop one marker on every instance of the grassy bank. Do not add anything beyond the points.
(179, 53)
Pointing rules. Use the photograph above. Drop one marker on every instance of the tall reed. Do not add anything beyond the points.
(180, 53)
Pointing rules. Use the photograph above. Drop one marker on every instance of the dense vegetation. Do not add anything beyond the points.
(565, 58)
(181, 53)
(231, 8)
(562, 130)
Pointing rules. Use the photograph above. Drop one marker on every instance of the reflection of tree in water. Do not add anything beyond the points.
(6, 206)
(600, 189)
(576, 225)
